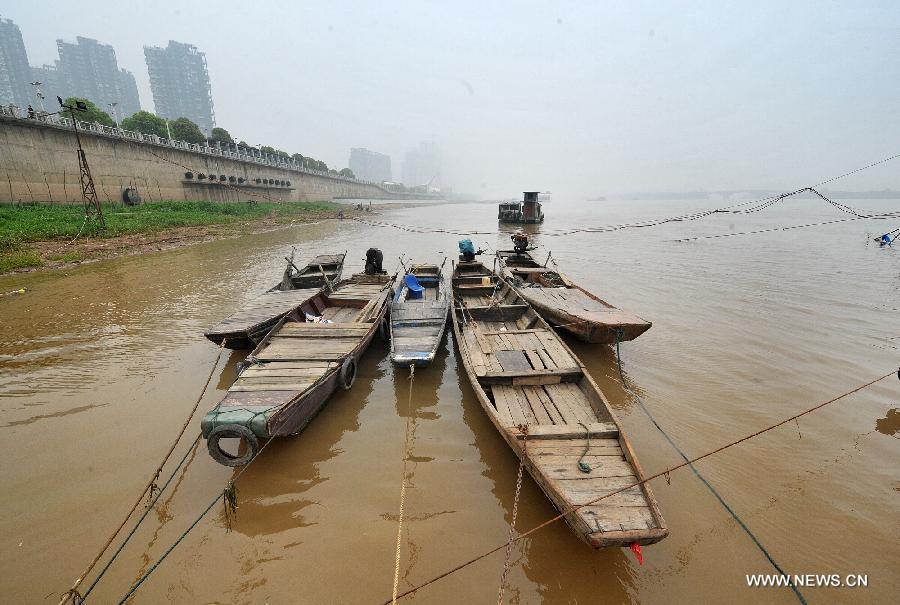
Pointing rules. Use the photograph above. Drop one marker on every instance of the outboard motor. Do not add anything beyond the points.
(520, 241)
(466, 250)
(374, 259)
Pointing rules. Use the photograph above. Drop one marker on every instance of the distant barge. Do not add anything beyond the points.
(524, 212)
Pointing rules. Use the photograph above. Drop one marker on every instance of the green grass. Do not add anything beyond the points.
(68, 257)
(20, 224)
(19, 259)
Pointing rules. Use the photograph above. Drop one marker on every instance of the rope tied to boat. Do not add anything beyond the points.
(583, 466)
(73, 592)
(570, 509)
(515, 513)
(229, 503)
(406, 454)
(689, 463)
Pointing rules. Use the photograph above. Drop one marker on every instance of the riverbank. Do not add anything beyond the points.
(45, 236)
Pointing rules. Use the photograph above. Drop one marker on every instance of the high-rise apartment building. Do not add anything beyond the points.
(15, 73)
(89, 70)
(422, 166)
(370, 165)
(180, 83)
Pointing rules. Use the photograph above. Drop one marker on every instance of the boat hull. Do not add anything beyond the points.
(544, 404)
(301, 362)
(566, 305)
(600, 326)
(417, 326)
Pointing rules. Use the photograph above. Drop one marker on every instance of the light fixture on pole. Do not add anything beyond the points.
(39, 94)
(114, 112)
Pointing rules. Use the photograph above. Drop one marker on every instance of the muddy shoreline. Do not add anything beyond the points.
(55, 252)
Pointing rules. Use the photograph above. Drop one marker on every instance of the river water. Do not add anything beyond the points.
(100, 364)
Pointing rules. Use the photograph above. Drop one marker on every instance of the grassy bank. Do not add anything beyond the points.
(22, 225)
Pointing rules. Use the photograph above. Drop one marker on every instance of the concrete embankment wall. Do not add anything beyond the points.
(39, 162)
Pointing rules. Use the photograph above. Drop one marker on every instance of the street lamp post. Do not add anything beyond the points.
(39, 94)
(115, 113)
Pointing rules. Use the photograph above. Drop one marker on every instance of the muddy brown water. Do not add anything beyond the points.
(100, 364)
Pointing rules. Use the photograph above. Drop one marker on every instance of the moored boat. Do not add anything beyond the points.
(565, 304)
(245, 328)
(549, 410)
(290, 375)
(419, 316)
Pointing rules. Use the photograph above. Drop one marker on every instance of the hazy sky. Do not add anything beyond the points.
(578, 98)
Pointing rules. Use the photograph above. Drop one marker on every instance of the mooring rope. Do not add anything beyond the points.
(228, 494)
(72, 593)
(406, 455)
(515, 514)
(703, 479)
(134, 529)
(662, 473)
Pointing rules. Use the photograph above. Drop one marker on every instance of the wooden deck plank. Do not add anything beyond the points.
(572, 433)
(512, 404)
(536, 407)
(622, 518)
(610, 467)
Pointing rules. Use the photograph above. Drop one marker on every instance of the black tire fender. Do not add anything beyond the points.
(232, 430)
(348, 373)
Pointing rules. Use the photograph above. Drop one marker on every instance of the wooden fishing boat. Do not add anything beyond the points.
(246, 327)
(294, 370)
(550, 411)
(565, 304)
(419, 316)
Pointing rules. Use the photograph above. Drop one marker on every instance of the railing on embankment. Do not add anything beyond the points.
(40, 164)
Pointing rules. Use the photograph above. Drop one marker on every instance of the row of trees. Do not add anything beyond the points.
(184, 129)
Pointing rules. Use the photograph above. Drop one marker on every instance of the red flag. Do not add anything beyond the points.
(636, 549)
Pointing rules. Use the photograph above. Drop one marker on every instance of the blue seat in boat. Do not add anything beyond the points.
(416, 291)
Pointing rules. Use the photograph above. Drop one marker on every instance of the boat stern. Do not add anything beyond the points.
(419, 359)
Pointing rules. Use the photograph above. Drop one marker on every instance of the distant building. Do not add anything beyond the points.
(180, 83)
(422, 166)
(129, 101)
(370, 165)
(15, 73)
(89, 70)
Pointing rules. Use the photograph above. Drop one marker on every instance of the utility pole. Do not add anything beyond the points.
(92, 207)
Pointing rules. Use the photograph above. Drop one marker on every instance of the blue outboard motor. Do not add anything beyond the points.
(885, 240)
(466, 250)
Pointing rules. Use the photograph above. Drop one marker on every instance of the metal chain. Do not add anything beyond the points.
(515, 513)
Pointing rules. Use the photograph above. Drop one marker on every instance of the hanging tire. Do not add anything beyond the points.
(224, 431)
(348, 373)
(384, 332)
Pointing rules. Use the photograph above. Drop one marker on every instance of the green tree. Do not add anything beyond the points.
(185, 130)
(298, 158)
(220, 135)
(147, 123)
(347, 172)
(91, 114)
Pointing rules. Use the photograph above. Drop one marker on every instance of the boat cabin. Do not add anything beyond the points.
(527, 211)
